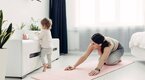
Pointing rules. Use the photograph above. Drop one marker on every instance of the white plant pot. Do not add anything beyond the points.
(3, 63)
(32, 35)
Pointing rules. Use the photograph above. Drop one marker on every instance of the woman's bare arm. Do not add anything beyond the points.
(84, 56)
(103, 58)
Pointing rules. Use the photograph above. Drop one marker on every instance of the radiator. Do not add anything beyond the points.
(73, 40)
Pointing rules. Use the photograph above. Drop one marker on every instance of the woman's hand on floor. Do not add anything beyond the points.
(69, 68)
(94, 72)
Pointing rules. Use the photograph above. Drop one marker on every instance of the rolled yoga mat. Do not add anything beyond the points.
(80, 73)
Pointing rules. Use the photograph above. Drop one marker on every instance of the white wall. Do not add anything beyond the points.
(18, 11)
(70, 10)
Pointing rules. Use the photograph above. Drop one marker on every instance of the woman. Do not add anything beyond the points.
(109, 49)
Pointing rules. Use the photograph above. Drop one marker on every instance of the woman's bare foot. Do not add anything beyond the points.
(119, 61)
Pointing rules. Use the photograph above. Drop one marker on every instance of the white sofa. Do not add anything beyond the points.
(137, 45)
(23, 57)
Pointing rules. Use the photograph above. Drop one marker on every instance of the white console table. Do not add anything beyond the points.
(23, 57)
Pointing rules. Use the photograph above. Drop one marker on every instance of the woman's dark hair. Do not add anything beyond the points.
(100, 39)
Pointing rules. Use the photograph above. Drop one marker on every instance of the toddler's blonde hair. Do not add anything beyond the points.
(46, 23)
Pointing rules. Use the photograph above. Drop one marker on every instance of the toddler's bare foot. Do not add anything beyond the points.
(48, 66)
(44, 69)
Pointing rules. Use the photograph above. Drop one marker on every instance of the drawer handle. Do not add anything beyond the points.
(34, 54)
(54, 49)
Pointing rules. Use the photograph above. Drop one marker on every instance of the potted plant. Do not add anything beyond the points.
(34, 28)
(4, 36)
(34, 25)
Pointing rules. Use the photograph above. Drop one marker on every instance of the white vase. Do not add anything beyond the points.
(32, 35)
(3, 63)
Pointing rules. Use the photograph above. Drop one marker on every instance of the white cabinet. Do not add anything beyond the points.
(55, 54)
(23, 56)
